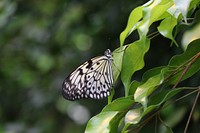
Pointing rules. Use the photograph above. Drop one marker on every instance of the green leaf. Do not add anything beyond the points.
(105, 122)
(152, 13)
(117, 61)
(191, 35)
(132, 119)
(133, 87)
(165, 128)
(162, 96)
(170, 23)
(120, 104)
(173, 115)
(134, 17)
(169, 74)
(181, 60)
(151, 72)
(144, 90)
(155, 103)
(183, 7)
(193, 49)
(116, 66)
(133, 116)
(194, 4)
(133, 61)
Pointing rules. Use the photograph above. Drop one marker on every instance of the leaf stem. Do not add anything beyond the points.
(192, 110)
(186, 69)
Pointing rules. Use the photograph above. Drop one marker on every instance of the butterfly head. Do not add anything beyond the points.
(108, 53)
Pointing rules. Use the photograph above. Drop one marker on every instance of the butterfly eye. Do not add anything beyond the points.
(93, 79)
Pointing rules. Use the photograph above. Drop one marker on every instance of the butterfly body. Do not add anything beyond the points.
(93, 79)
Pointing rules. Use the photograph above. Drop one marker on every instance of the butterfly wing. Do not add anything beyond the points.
(93, 79)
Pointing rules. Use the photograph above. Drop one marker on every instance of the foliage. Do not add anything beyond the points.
(41, 42)
(146, 99)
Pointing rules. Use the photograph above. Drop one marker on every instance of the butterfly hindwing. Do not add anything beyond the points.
(93, 79)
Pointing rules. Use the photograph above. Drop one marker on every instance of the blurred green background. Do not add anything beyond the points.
(41, 42)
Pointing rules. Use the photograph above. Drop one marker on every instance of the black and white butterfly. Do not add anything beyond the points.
(93, 79)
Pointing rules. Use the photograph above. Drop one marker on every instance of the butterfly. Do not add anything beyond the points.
(93, 79)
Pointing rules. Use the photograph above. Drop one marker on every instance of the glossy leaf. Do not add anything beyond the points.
(169, 74)
(117, 61)
(183, 7)
(151, 72)
(191, 35)
(144, 90)
(133, 116)
(170, 23)
(116, 66)
(120, 104)
(182, 60)
(105, 122)
(133, 60)
(152, 13)
(134, 17)
(133, 87)
(155, 103)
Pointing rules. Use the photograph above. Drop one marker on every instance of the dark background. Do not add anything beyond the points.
(41, 42)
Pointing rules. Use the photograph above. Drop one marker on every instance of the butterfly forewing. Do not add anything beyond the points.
(93, 79)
